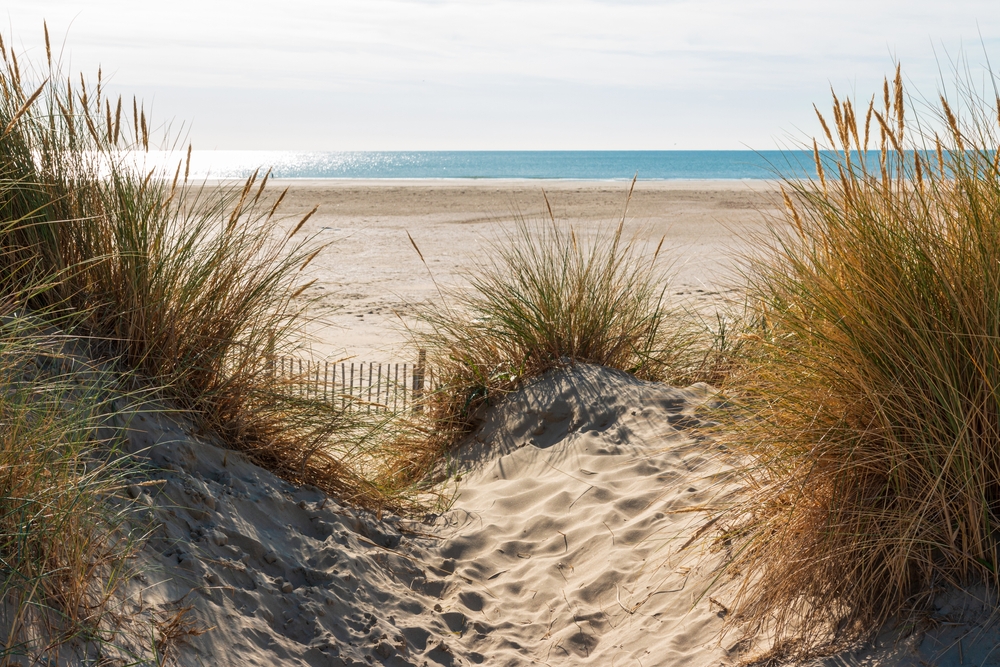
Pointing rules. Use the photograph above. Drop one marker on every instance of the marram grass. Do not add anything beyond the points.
(65, 542)
(196, 288)
(544, 297)
(872, 378)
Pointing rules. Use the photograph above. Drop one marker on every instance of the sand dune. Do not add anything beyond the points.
(568, 541)
(569, 522)
(562, 543)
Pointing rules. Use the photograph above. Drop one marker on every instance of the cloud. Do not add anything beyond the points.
(378, 48)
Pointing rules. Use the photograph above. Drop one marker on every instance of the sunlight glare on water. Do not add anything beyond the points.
(572, 165)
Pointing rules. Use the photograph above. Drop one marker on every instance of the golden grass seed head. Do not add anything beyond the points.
(956, 131)
(263, 184)
(297, 293)
(118, 119)
(306, 218)
(826, 130)
(24, 108)
(841, 125)
(790, 207)
(868, 121)
(310, 258)
(238, 208)
(277, 202)
(819, 165)
(48, 46)
(889, 133)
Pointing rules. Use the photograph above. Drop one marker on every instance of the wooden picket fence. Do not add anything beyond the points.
(368, 386)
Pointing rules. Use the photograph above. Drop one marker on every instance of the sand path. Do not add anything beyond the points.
(565, 543)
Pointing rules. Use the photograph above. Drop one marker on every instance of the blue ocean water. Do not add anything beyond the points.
(574, 165)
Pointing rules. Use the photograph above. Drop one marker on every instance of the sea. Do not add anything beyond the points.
(568, 165)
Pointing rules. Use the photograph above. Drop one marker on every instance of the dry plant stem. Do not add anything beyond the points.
(871, 379)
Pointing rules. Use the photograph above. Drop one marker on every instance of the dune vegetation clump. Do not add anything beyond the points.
(197, 288)
(543, 298)
(872, 376)
(64, 548)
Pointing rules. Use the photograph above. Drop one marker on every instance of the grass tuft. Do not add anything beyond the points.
(184, 288)
(65, 542)
(197, 288)
(545, 297)
(872, 378)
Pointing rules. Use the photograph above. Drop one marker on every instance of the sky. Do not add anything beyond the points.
(503, 74)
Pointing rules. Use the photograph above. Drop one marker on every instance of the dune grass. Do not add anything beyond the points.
(197, 288)
(64, 548)
(872, 378)
(545, 297)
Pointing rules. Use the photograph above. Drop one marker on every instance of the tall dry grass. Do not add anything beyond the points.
(197, 288)
(872, 379)
(182, 292)
(65, 542)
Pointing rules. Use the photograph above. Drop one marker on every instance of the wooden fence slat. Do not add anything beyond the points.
(387, 387)
(378, 386)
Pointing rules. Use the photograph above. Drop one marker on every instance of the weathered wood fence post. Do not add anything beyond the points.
(418, 380)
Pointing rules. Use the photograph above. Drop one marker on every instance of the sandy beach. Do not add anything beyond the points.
(370, 276)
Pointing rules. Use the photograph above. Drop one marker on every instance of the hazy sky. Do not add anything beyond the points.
(502, 74)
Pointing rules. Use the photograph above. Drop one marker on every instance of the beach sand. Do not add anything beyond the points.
(370, 276)
(571, 538)
(564, 543)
